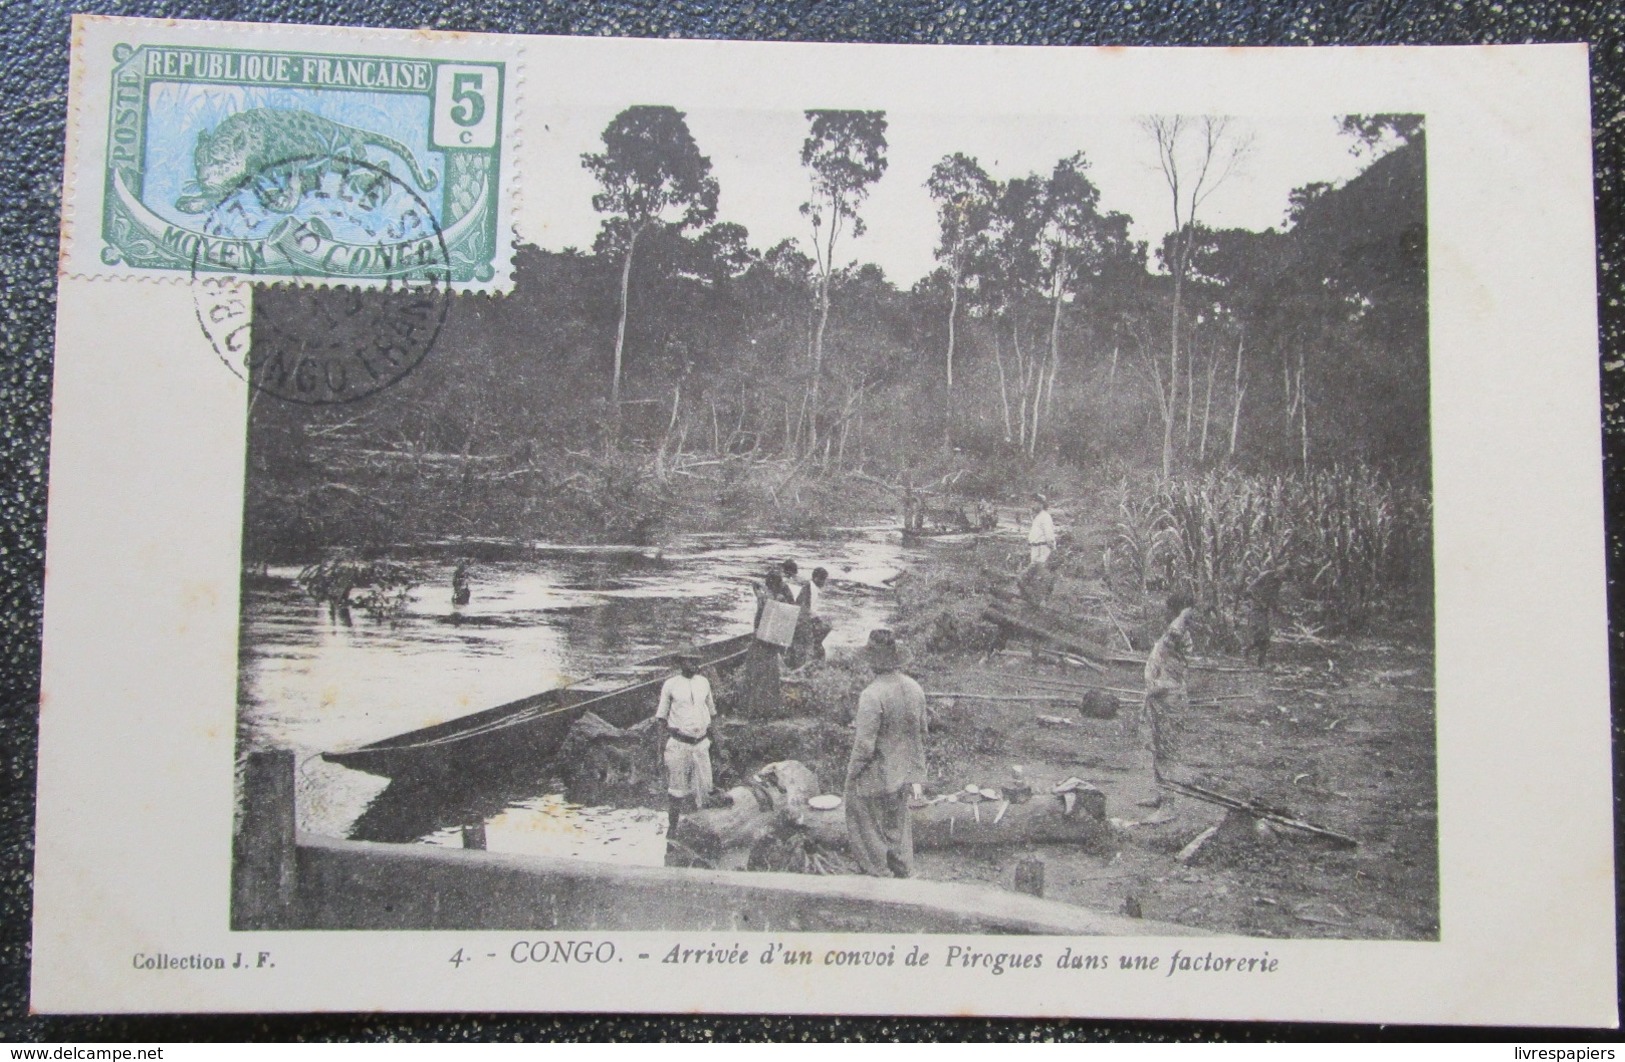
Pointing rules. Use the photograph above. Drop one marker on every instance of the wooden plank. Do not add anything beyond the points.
(264, 876)
(356, 884)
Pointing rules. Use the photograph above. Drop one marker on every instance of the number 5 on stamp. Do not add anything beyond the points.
(467, 102)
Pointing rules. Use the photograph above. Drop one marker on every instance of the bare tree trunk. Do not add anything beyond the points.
(840, 447)
(948, 395)
(1004, 393)
(1235, 419)
(1044, 388)
(1303, 405)
(1111, 377)
(1192, 348)
(1173, 378)
(1049, 388)
(818, 359)
(1241, 391)
(1207, 403)
(801, 425)
(1153, 370)
(1023, 380)
(665, 440)
(1286, 387)
(620, 327)
(862, 453)
(1187, 190)
(1049, 398)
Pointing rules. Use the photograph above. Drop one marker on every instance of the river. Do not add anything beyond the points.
(312, 684)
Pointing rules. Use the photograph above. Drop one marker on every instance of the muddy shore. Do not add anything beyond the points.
(1336, 732)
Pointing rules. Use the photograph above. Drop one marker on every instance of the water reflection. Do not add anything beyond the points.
(312, 684)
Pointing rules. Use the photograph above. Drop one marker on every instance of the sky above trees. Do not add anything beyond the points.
(755, 158)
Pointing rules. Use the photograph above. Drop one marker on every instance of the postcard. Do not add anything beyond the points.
(571, 524)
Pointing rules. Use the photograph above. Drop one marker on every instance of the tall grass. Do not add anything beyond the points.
(1348, 542)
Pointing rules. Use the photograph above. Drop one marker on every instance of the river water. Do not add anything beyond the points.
(314, 684)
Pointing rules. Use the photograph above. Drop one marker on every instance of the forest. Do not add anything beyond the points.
(677, 376)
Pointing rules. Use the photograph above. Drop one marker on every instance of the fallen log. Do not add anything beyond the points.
(943, 823)
(1091, 704)
(775, 798)
(773, 808)
(1047, 655)
(1097, 655)
(1063, 698)
(1082, 689)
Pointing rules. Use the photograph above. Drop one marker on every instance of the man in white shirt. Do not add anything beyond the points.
(1041, 537)
(1036, 581)
(689, 712)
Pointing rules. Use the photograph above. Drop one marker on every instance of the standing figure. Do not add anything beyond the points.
(811, 630)
(761, 693)
(1263, 597)
(887, 763)
(688, 711)
(812, 616)
(1036, 581)
(794, 654)
(1166, 695)
(460, 592)
(1041, 536)
(771, 588)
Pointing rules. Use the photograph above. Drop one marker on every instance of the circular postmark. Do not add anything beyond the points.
(368, 238)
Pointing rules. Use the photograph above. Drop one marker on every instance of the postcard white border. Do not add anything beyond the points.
(140, 656)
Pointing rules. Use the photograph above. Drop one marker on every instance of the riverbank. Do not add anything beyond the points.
(312, 495)
(1334, 732)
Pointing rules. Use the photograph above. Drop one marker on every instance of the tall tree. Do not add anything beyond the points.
(844, 153)
(1074, 244)
(1195, 156)
(964, 194)
(1007, 275)
(1047, 243)
(652, 175)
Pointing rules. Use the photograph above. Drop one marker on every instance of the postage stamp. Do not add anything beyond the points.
(924, 530)
(350, 168)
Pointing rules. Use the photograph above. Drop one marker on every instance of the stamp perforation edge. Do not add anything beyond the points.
(89, 140)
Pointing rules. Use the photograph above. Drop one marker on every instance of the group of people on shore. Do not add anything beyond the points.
(884, 772)
(785, 586)
(886, 768)
(887, 765)
(887, 762)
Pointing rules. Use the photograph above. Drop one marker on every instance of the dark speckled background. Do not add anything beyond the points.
(33, 89)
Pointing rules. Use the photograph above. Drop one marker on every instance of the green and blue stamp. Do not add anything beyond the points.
(364, 170)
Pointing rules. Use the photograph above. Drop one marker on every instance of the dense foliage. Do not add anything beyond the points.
(615, 390)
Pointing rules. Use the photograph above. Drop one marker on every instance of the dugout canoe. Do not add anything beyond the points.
(529, 730)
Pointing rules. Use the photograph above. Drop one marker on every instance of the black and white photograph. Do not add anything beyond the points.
(1009, 509)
